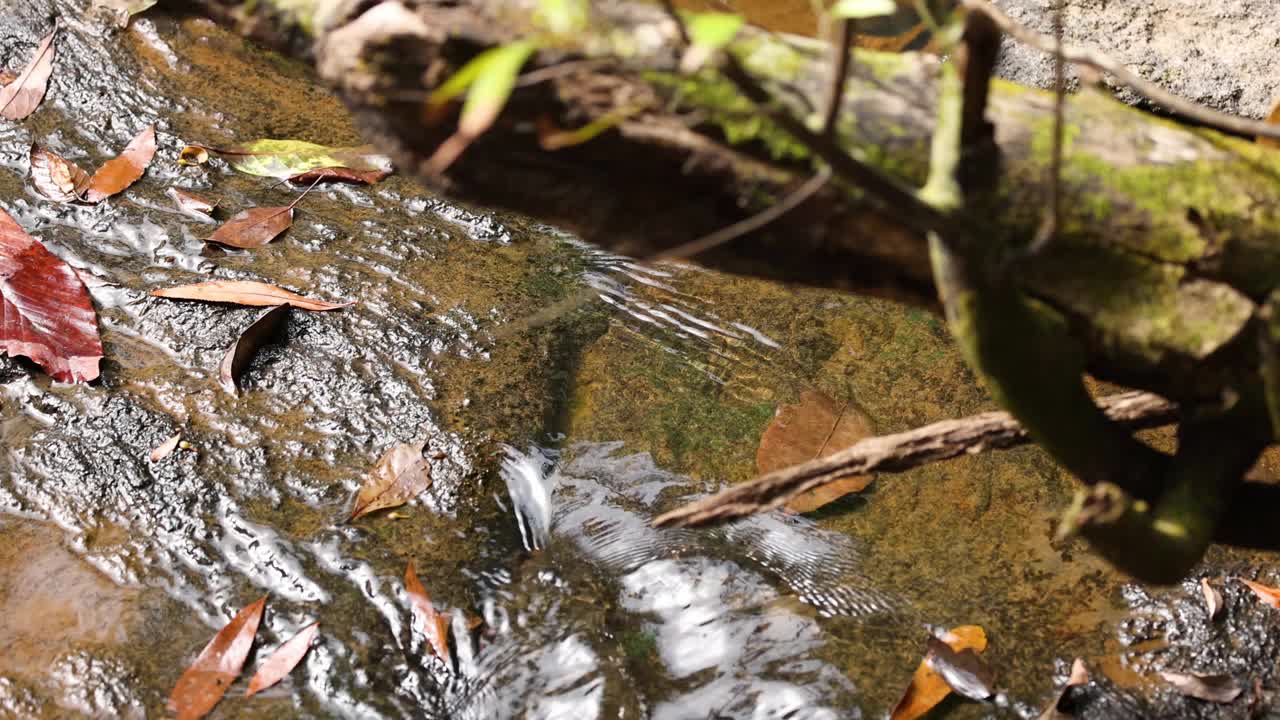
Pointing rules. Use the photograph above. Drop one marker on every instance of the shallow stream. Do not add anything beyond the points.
(556, 444)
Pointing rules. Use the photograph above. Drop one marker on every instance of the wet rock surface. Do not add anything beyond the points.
(116, 570)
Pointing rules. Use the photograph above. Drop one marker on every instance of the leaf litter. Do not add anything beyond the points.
(261, 332)
(45, 311)
(55, 177)
(120, 172)
(246, 292)
(1210, 688)
(22, 96)
(206, 680)
(283, 660)
(256, 227)
(426, 620)
(165, 449)
(812, 428)
(400, 475)
(1060, 708)
(927, 687)
(1265, 593)
(191, 203)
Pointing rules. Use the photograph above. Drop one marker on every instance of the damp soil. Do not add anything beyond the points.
(553, 446)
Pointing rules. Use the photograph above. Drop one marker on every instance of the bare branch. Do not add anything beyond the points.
(896, 453)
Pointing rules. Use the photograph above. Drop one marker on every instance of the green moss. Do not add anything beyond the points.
(639, 645)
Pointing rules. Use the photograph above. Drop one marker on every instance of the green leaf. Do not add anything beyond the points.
(286, 158)
(863, 9)
(562, 17)
(713, 30)
(494, 80)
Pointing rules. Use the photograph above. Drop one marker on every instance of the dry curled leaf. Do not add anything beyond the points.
(190, 203)
(813, 427)
(207, 679)
(263, 331)
(166, 448)
(927, 687)
(340, 174)
(1266, 594)
(123, 170)
(55, 177)
(1211, 688)
(433, 625)
(283, 660)
(45, 311)
(245, 292)
(1212, 599)
(400, 475)
(20, 98)
(1057, 709)
(193, 155)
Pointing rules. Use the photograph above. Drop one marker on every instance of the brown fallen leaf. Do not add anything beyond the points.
(813, 427)
(189, 202)
(964, 672)
(123, 170)
(340, 174)
(55, 177)
(245, 292)
(1212, 688)
(262, 331)
(400, 475)
(426, 620)
(166, 448)
(256, 227)
(20, 98)
(1268, 595)
(283, 660)
(1212, 599)
(207, 679)
(1055, 710)
(7, 76)
(927, 687)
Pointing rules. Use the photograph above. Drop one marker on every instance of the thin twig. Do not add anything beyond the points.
(896, 453)
(841, 52)
(1053, 218)
(1178, 106)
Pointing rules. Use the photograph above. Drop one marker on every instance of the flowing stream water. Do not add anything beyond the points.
(555, 446)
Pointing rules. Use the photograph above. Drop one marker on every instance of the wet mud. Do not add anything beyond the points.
(558, 443)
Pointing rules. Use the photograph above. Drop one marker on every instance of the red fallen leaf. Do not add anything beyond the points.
(55, 177)
(20, 98)
(261, 332)
(927, 687)
(45, 312)
(166, 448)
(400, 475)
(120, 172)
(340, 174)
(207, 679)
(813, 427)
(283, 660)
(426, 620)
(1268, 595)
(189, 202)
(256, 227)
(245, 292)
